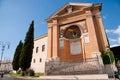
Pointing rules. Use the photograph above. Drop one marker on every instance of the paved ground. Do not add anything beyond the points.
(113, 79)
(10, 78)
(6, 78)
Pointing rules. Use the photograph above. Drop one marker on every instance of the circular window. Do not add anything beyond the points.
(72, 32)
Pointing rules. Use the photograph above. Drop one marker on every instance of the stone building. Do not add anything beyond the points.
(6, 66)
(39, 54)
(75, 32)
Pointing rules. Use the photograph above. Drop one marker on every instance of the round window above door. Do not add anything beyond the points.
(72, 32)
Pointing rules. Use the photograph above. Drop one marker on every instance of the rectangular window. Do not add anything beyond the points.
(43, 48)
(37, 49)
(40, 60)
(33, 60)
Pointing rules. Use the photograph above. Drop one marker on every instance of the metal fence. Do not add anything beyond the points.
(88, 66)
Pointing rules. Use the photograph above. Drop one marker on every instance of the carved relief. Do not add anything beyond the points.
(72, 32)
(69, 9)
(86, 39)
(61, 32)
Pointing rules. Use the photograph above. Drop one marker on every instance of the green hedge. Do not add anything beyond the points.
(108, 57)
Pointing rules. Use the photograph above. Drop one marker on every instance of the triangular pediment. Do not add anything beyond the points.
(71, 7)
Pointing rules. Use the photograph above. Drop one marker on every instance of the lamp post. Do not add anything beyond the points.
(4, 45)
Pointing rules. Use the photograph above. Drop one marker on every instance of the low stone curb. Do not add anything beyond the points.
(67, 77)
(76, 77)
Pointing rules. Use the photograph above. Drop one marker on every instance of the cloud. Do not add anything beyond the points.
(114, 31)
(117, 40)
(113, 40)
(109, 31)
(42, 22)
(117, 31)
(104, 17)
(114, 45)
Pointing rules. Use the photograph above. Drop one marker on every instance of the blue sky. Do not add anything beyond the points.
(16, 16)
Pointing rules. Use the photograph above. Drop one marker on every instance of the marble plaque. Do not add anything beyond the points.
(86, 39)
(61, 43)
(75, 47)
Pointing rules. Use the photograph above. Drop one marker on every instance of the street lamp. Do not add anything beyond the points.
(4, 45)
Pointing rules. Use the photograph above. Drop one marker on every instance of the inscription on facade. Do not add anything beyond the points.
(75, 47)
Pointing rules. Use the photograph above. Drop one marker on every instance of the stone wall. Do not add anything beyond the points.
(109, 69)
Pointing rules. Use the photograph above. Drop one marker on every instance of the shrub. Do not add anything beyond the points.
(107, 57)
(23, 73)
(118, 63)
(30, 72)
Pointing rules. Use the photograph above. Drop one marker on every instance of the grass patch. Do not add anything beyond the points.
(19, 75)
(38, 74)
(14, 75)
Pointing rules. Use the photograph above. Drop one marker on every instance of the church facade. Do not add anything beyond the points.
(75, 32)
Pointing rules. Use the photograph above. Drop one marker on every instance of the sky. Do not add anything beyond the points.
(16, 17)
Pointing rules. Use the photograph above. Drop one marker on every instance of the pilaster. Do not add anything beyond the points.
(50, 38)
(91, 30)
(103, 34)
(55, 39)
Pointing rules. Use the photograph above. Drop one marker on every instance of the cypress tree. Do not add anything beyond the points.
(16, 57)
(27, 50)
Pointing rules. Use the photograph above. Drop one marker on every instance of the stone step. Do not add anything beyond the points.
(76, 77)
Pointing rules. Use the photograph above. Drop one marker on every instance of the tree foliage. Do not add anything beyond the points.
(17, 56)
(116, 52)
(27, 50)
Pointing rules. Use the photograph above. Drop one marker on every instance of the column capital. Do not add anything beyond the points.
(88, 15)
